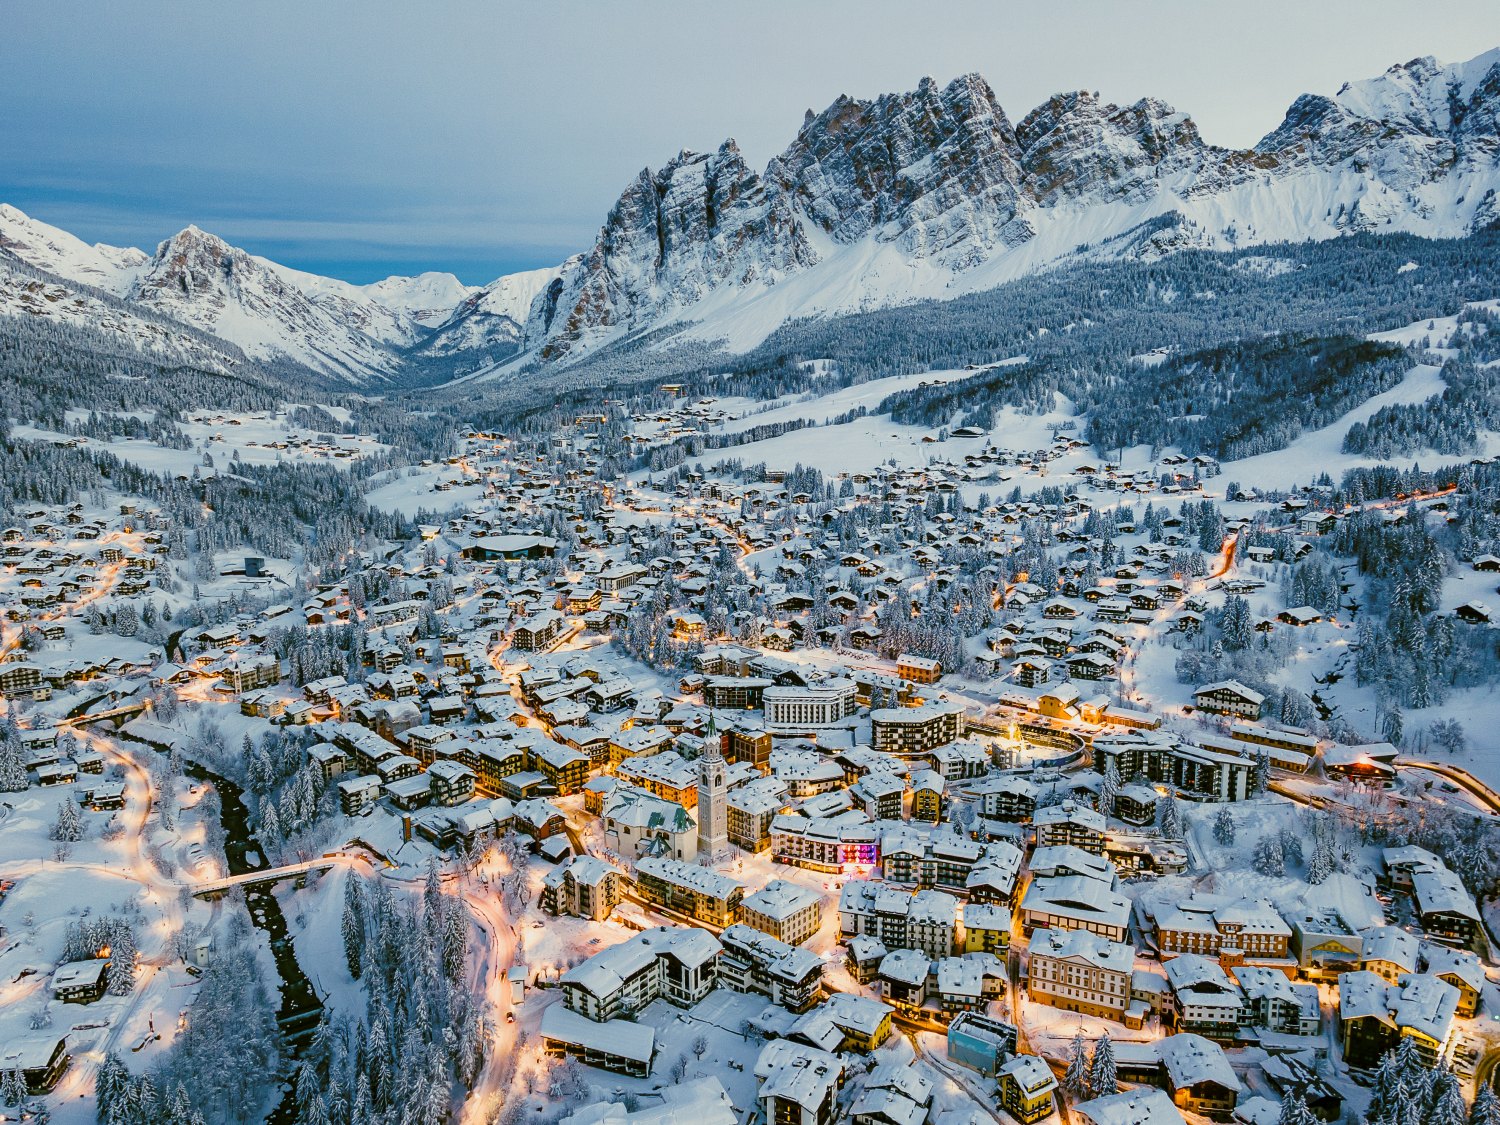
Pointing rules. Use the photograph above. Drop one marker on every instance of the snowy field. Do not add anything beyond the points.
(258, 438)
(407, 491)
(821, 408)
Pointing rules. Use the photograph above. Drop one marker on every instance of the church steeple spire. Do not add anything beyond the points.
(713, 796)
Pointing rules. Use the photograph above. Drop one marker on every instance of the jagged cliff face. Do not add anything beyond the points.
(934, 192)
(934, 171)
(703, 221)
(1076, 148)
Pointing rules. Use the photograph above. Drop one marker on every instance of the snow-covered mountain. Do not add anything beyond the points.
(267, 311)
(490, 319)
(927, 194)
(429, 298)
(111, 268)
(115, 326)
(935, 193)
(355, 333)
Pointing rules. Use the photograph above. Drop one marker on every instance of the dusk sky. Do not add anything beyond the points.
(370, 138)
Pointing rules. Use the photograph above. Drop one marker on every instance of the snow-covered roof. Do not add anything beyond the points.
(1144, 1105)
(1191, 1059)
(620, 1038)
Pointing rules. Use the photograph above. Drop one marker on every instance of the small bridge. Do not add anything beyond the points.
(299, 871)
(117, 714)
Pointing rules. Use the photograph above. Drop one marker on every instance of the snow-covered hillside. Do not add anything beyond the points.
(111, 268)
(355, 333)
(491, 317)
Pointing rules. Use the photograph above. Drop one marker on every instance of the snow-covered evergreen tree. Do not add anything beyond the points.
(68, 827)
(353, 925)
(1268, 857)
(12, 764)
(1110, 788)
(1261, 781)
(1076, 1079)
(120, 972)
(1103, 1073)
(1168, 817)
(1486, 1107)
(1224, 827)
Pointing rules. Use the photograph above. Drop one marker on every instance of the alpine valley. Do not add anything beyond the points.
(989, 619)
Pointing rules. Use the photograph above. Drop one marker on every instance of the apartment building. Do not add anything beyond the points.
(915, 731)
(1079, 971)
(675, 963)
(808, 708)
(584, 887)
(695, 891)
(754, 961)
(832, 844)
(925, 920)
(751, 808)
(786, 911)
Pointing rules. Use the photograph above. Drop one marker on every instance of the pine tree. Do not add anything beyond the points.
(1076, 1079)
(12, 1088)
(1294, 1110)
(1486, 1107)
(68, 827)
(1236, 623)
(120, 972)
(1224, 827)
(1103, 1076)
(1262, 781)
(1268, 858)
(12, 767)
(1110, 788)
(1445, 1100)
(1168, 818)
(354, 924)
(456, 942)
(110, 1082)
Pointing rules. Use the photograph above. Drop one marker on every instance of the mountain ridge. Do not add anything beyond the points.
(935, 192)
(928, 194)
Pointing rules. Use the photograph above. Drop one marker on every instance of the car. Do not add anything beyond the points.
(510, 1017)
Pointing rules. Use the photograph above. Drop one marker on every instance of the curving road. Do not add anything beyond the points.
(1477, 789)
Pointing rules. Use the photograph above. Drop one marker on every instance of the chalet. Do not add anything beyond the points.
(41, 1058)
(538, 632)
(1204, 1000)
(1198, 1076)
(1300, 616)
(918, 669)
(80, 982)
(1229, 697)
(1371, 763)
(1474, 613)
(1375, 1016)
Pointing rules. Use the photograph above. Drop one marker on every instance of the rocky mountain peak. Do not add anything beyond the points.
(1075, 145)
(941, 193)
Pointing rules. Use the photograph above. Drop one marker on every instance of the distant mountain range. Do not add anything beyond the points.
(928, 194)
